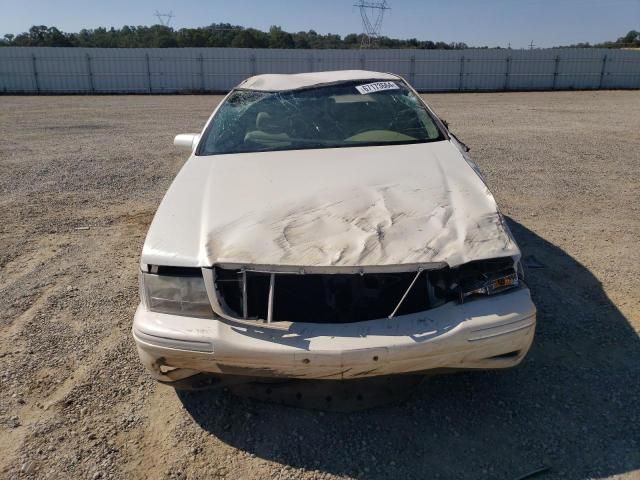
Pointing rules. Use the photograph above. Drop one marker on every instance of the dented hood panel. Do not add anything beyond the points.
(362, 206)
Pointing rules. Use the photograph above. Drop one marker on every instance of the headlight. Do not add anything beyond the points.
(487, 277)
(180, 293)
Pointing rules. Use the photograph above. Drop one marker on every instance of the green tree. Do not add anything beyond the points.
(631, 39)
(248, 39)
(279, 38)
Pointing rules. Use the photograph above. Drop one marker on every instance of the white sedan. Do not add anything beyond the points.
(328, 225)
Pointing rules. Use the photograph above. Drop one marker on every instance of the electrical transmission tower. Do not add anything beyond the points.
(164, 18)
(372, 14)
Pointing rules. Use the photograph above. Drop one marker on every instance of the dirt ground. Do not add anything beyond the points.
(80, 179)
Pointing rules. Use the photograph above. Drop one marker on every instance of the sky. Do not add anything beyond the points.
(493, 23)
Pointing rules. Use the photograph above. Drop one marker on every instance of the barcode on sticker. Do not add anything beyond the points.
(377, 87)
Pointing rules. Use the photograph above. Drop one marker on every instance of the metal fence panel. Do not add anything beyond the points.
(171, 70)
(17, 74)
(115, 71)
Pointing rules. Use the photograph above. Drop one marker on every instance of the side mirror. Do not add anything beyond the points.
(464, 146)
(187, 140)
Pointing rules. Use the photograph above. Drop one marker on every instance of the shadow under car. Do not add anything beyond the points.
(572, 405)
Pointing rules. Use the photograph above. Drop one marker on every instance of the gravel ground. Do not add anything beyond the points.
(80, 178)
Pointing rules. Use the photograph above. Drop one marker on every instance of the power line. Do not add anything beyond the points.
(164, 18)
(372, 14)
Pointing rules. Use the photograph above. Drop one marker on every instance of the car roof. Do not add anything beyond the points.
(271, 82)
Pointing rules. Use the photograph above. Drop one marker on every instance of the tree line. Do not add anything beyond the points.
(227, 35)
(215, 35)
(630, 40)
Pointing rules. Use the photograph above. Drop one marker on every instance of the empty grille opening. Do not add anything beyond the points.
(331, 298)
(229, 285)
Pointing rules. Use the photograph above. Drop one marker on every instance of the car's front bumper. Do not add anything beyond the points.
(493, 332)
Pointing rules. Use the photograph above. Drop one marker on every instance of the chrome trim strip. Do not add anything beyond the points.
(272, 287)
(395, 310)
(245, 307)
(512, 322)
(301, 270)
(175, 343)
(499, 334)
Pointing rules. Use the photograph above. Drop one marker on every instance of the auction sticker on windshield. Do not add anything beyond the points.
(377, 87)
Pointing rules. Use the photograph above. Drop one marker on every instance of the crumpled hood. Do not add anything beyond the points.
(361, 206)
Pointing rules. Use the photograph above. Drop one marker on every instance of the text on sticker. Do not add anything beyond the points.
(377, 87)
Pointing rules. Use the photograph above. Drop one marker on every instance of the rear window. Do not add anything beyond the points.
(341, 115)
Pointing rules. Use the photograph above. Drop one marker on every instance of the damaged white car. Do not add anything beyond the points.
(328, 226)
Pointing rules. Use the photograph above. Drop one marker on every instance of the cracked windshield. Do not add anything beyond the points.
(343, 115)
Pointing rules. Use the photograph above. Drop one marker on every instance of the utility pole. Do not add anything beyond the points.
(372, 14)
(531, 45)
(164, 18)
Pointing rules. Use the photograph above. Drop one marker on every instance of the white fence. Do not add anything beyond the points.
(171, 70)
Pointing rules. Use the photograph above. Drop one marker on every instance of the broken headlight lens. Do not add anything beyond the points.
(176, 294)
(487, 277)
